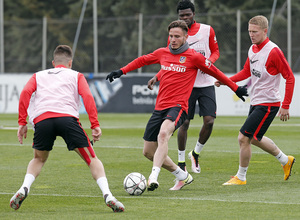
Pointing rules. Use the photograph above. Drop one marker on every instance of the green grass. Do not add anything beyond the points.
(66, 190)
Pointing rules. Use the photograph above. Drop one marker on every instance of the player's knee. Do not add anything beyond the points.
(162, 136)
(148, 155)
(243, 139)
(87, 154)
(185, 125)
(209, 122)
(41, 159)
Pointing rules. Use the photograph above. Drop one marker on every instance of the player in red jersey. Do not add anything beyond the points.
(179, 66)
(201, 38)
(52, 98)
(265, 65)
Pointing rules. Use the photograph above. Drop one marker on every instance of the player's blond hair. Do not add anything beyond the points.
(260, 21)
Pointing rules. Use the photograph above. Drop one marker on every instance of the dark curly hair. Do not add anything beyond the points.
(185, 4)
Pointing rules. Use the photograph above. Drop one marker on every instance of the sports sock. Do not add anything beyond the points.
(198, 147)
(181, 156)
(28, 180)
(180, 174)
(282, 158)
(241, 174)
(103, 184)
(154, 174)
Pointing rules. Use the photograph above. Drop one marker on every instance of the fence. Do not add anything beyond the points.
(28, 44)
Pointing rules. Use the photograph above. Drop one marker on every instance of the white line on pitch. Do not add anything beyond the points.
(168, 198)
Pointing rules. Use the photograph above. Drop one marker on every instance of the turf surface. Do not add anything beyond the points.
(66, 190)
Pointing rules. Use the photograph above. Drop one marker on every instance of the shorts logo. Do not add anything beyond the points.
(182, 59)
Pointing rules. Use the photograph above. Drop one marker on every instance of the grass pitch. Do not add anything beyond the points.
(66, 190)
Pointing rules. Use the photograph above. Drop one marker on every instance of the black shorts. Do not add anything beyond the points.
(259, 119)
(153, 126)
(69, 128)
(206, 98)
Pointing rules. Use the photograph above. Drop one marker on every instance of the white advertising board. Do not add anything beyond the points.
(228, 104)
(11, 86)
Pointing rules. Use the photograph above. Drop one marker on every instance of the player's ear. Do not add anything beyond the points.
(70, 63)
(186, 37)
(53, 63)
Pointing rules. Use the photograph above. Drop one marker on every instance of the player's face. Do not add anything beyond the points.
(257, 34)
(177, 37)
(187, 15)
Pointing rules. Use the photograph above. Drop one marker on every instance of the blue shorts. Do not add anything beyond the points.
(69, 128)
(206, 98)
(153, 126)
(259, 120)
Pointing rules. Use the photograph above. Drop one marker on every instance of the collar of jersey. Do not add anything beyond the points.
(60, 66)
(179, 50)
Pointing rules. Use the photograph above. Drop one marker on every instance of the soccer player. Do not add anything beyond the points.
(179, 65)
(201, 38)
(265, 65)
(52, 97)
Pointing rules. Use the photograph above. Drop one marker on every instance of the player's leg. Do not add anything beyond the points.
(165, 133)
(43, 141)
(207, 109)
(76, 139)
(173, 119)
(151, 145)
(206, 130)
(98, 173)
(33, 170)
(182, 133)
(246, 133)
(245, 156)
(181, 141)
(269, 146)
(160, 155)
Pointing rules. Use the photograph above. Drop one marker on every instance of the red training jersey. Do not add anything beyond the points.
(177, 75)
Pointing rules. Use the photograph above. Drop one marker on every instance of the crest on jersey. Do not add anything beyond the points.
(182, 59)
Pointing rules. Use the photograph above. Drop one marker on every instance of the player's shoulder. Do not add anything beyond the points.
(161, 50)
(66, 71)
(192, 52)
(205, 25)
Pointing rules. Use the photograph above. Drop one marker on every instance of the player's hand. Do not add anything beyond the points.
(242, 91)
(218, 83)
(22, 132)
(96, 133)
(152, 82)
(114, 74)
(284, 114)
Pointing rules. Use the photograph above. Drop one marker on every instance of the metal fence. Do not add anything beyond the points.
(119, 41)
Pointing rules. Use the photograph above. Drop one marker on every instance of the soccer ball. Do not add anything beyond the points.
(135, 183)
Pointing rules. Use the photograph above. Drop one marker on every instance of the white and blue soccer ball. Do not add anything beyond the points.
(135, 184)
